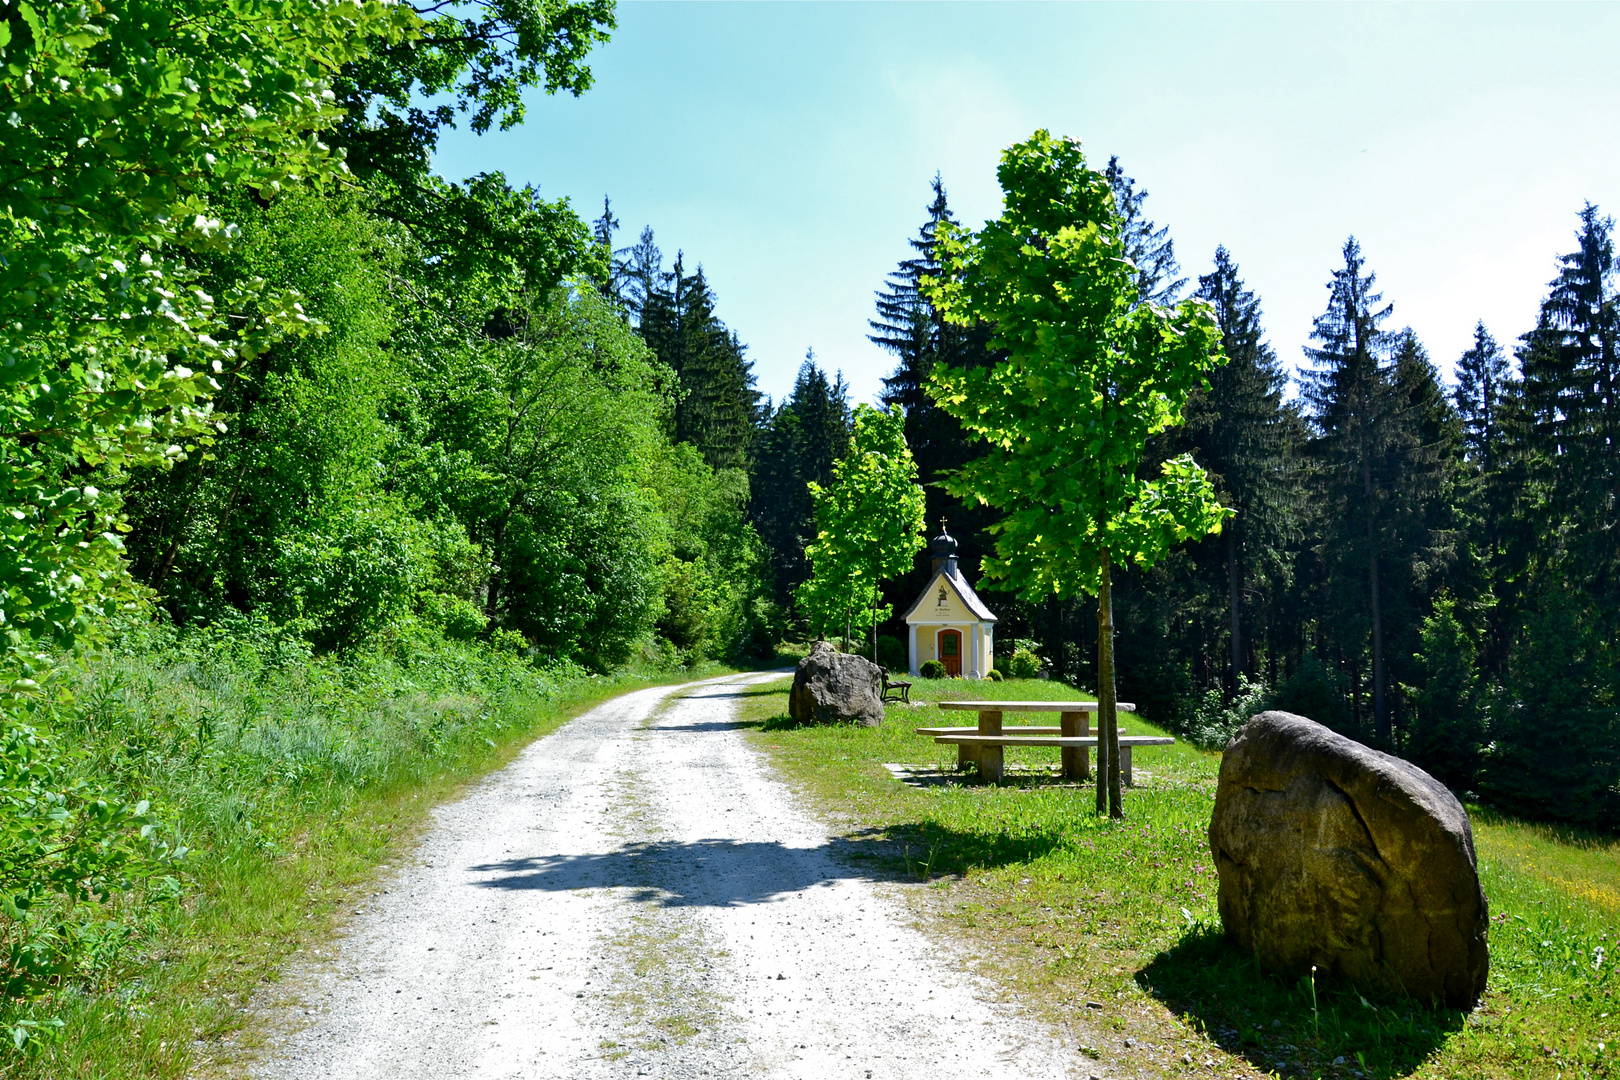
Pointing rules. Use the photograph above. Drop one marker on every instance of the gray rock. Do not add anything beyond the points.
(829, 686)
(1333, 854)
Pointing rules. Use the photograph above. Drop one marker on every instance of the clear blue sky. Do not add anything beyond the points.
(789, 147)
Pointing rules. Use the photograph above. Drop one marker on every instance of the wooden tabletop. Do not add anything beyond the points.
(1031, 706)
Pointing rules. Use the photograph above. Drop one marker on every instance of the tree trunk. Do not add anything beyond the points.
(1234, 589)
(1380, 710)
(874, 623)
(1108, 791)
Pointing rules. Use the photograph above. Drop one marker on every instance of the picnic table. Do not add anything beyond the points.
(984, 745)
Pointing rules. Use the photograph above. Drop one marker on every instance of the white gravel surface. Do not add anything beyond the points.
(637, 895)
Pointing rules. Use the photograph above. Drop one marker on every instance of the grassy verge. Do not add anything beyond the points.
(1116, 923)
(293, 780)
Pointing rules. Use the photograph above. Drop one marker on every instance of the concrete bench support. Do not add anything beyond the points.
(1077, 759)
(987, 758)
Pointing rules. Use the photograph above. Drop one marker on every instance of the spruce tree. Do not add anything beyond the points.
(602, 230)
(910, 326)
(907, 324)
(1571, 365)
(1248, 438)
(799, 442)
(1561, 682)
(716, 406)
(1147, 245)
(639, 272)
(1487, 398)
(1423, 475)
(1351, 398)
(1483, 375)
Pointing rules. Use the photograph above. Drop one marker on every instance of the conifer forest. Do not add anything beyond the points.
(295, 421)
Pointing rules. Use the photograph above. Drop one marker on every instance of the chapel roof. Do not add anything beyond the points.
(953, 575)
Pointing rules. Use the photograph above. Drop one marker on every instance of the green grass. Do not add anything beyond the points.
(293, 779)
(1069, 911)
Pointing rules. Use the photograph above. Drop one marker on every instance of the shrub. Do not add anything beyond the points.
(1023, 664)
(1447, 730)
(1214, 722)
(932, 669)
(65, 841)
(995, 676)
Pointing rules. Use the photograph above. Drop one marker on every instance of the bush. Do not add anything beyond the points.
(932, 669)
(1023, 664)
(1214, 722)
(68, 848)
(995, 676)
(1447, 731)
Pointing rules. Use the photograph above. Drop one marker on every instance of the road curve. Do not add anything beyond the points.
(637, 895)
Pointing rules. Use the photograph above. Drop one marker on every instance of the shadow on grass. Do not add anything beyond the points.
(784, 722)
(926, 850)
(1284, 1027)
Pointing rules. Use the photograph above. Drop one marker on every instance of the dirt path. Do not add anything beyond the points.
(636, 895)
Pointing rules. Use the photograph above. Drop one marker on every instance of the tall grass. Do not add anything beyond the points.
(290, 778)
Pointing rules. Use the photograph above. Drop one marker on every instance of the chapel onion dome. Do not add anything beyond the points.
(942, 550)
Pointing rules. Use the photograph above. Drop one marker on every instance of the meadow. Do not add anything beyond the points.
(1110, 929)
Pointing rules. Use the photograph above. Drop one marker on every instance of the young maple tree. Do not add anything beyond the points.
(1090, 372)
(869, 524)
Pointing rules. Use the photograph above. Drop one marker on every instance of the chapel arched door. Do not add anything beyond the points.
(950, 652)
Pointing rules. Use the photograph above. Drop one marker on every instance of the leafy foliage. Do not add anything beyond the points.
(1090, 375)
(124, 116)
(869, 524)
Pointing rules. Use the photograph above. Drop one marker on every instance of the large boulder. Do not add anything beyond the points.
(1335, 855)
(829, 686)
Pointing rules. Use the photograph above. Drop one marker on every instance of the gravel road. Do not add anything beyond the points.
(637, 895)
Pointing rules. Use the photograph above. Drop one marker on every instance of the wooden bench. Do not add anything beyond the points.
(901, 685)
(990, 752)
(1073, 736)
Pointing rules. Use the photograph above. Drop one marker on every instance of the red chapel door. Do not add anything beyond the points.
(950, 652)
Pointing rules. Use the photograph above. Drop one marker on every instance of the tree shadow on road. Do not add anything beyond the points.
(761, 691)
(706, 725)
(705, 873)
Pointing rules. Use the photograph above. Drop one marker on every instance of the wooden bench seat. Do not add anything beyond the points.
(990, 756)
(901, 685)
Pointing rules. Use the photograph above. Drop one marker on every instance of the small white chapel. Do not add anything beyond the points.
(949, 622)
